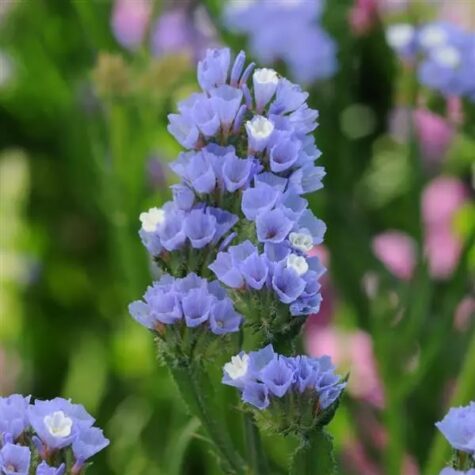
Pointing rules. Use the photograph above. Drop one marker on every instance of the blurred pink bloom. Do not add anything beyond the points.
(455, 110)
(461, 13)
(130, 20)
(435, 134)
(465, 314)
(353, 350)
(180, 30)
(441, 198)
(357, 460)
(397, 251)
(442, 250)
(363, 15)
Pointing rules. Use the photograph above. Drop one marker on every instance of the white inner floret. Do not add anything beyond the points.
(447, 56)
(400, 36)
(266, 76)
(151, 219)
(260, 127)
(58, 424)
(238, 366)
(297, 263)
(433, 36)
(302, 241)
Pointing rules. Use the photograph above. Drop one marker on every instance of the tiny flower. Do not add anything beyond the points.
(213, 70)
(255, 270)
(287, 284)
(152, 219)
(257, 200)
(45, 469)
(57, 422)
(235, 372)
(259, 131)
(265, 84)
(89, 443)
(223, 318)
(226, 101)
(183, 197)
(297, 263)
(13, 415)
(277, 376)
(196, 307)
(283, 155)
(183, 129)
(301, 240)
(273, 226)
(226, 271)
(199, 228)
(452, 471)
(236, 172)
(256, 394)
(15, 460)
(458, 427)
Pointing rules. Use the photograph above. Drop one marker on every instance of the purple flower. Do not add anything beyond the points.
(277, 376)
(199, 228)
(199, 173)
(15, 460)
(13, 415)
(254, 269)
(307, 179)
(268, 178)
(205, 116)
(265, 83)
(458, 427)
(196, 307)
(259, 131)
(226, 101)
(129, 21)
(223, 318)
(226, 271)
(213, 70)
(58, 422)
(289, 97)
(292, 205)
(45, 469)
(273, 226)
(183, 197)
(172, 235)
(256, 394)
(236, 172)
(224, 221)
(287, 284)
(452, 471)
(284, 154)
(257, 200)
(89, 443)
(308, 223)
(183, 129)
(236, 373)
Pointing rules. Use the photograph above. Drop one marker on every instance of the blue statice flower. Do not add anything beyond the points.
(192, 301)
(458, 427)
(15, 459)
(263, 377)
(32, 432)
(13, 416)
(445, 55)
(288, 31)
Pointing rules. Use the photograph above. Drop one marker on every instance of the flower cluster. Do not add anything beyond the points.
(446, 52)
(458, 427)
(191, 301)
(288, 31)
(301, 386)
(42, 436)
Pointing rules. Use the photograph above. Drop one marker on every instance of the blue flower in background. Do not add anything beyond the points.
(289, 31)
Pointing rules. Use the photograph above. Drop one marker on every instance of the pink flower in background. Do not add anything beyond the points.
(130, 19)
(363, 16)
(397, 251)
(353, 350)
(435, 134)
(465, 314)
(441, 198)
(181, 30)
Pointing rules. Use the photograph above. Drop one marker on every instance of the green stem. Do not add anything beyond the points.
(255, 453)
(314, 456)
(440, 451)
(195, 389)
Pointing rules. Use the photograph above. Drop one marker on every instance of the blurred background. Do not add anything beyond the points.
(85, 88)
